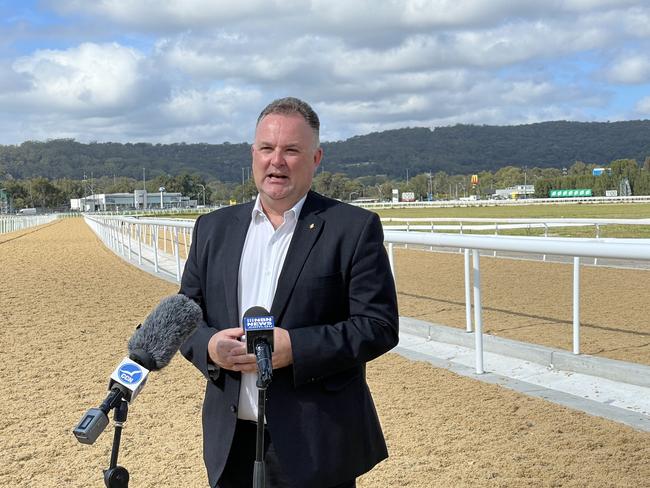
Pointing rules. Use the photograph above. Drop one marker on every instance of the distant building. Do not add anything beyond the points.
(514, 192)
(138, 200)
(601, 171)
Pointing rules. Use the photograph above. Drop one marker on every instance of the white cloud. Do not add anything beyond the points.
(630, 69)
(196, 107)
(87, 77)
(200, 70)
(643, 106)
(179, 14)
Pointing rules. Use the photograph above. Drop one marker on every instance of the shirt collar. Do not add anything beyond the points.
(292, 213)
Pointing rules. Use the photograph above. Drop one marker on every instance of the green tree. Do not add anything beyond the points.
(509, 176)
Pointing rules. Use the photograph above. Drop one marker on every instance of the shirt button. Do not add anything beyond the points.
(233, 409)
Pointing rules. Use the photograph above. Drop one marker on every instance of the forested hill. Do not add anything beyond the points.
(456, 149)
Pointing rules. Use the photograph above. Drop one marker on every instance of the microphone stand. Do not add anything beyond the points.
(117, 476)
(259, 468)
(264, 375)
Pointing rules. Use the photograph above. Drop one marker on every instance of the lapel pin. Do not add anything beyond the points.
(311, 226)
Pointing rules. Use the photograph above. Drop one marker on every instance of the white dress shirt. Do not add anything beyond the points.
(261, 262)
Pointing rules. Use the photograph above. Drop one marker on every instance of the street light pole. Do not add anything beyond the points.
(161, 190)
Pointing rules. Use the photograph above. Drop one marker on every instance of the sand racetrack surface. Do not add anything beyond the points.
(68, 306)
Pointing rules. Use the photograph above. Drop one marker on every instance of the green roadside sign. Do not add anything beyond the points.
(577, 192)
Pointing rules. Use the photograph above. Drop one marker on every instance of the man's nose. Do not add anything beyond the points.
(277, 158)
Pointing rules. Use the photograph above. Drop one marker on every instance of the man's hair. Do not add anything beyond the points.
(290, 106)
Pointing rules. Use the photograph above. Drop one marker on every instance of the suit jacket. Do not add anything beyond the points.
(336, 297)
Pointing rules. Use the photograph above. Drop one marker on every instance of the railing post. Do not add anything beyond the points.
(391, 260)
(121, 237)
(184, 230)
(496, 233)
(576, 305)
(154, 234)
(114, 240)
(478, 322)
(468, 294)
(130, 230)
(597, 236)
(408, 229)
(178, 256)
(140, 244)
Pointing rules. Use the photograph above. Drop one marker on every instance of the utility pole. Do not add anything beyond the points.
(243, 171)
(525, 189)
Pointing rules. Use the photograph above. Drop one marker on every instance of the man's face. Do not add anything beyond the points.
(285, 157)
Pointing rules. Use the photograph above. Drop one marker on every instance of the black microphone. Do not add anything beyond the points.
(259, 324)
(151, 347)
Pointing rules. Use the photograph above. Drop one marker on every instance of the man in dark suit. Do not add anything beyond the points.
(321, 268)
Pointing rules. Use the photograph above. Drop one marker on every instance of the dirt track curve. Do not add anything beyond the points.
(68, 306)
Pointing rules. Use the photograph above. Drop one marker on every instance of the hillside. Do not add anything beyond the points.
(455, 149)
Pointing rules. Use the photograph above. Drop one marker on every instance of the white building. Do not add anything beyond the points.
(514, 192)
(138, 200)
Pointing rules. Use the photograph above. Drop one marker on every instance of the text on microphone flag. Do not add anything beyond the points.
(259, 323)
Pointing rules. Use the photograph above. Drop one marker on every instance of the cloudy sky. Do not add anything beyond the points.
(201, 70)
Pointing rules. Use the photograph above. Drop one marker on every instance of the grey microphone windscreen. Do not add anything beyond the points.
(162, 333)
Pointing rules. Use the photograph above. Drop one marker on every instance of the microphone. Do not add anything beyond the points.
(151, 347)
(154, 343)
(259, 324)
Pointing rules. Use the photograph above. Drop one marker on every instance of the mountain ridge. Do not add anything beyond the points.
(457, 149)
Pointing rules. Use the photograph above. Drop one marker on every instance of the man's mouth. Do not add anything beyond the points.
(277, 177)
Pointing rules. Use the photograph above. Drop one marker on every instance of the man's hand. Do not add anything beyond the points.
(228, 352)
(282, 352)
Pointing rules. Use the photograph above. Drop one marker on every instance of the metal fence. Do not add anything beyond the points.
(504, 203)
(12, 223)
(157, 240)
(486, 224)
(161, 243)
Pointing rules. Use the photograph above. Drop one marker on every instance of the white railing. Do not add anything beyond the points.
(505, 203)
(148, 239)
(636, 249)
(12, 223)
(461, 224)
(155, 212)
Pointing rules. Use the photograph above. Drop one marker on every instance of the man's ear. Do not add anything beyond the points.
(318, 156)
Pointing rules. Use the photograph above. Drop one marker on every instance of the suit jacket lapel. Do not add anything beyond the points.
(235, 236)
(308, 229)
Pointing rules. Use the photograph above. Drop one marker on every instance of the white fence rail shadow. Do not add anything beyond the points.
(163, 242)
